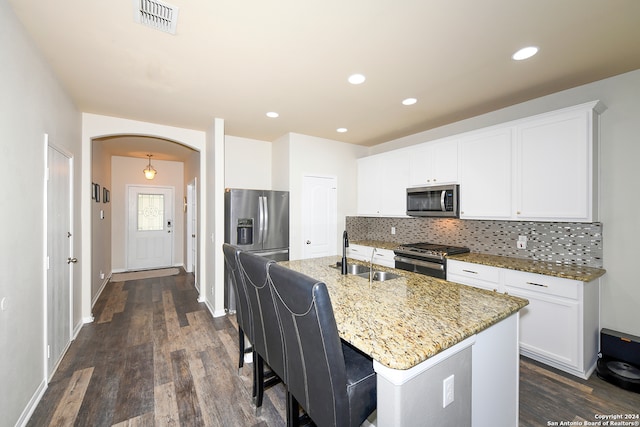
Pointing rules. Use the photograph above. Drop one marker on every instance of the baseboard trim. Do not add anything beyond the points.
(33, 403)
(104, 285)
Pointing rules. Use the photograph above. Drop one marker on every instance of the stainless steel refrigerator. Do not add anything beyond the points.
(256, 221)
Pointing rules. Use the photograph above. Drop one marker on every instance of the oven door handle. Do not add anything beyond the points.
(432, 265)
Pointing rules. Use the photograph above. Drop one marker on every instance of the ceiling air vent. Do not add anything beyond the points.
(156, 14)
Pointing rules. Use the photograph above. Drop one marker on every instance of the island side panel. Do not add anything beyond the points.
(496, 375)
(418, 400)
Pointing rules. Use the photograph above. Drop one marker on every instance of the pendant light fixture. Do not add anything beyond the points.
(149, 171)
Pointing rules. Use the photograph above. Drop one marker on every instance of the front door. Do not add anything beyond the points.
(60, 260)
(319, 219)
(150, 227)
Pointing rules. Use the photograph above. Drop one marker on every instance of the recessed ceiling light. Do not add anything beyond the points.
(341, 130)
(272, 114)
(356, 79)
(409, 101)
(525, 53)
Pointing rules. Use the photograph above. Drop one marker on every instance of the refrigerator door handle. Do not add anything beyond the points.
(265, 215)
(260, 221)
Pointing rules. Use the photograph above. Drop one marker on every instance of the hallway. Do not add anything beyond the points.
(154, 356)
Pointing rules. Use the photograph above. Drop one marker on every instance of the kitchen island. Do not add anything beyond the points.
(420, 330)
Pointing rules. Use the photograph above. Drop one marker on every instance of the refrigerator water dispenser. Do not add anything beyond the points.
(244, 231)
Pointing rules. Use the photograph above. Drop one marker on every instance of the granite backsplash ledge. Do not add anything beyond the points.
(557, 242)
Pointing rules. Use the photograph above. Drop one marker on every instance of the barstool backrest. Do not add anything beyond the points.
(268, 339)
(243, 311)
(315, 366)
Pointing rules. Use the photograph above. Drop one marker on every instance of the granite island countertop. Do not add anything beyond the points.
(574, 272)
(403, 322)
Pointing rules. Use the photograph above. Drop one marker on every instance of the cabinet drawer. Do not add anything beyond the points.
(384, 257)
(359, 252)
(557, 286)
(473, 271)
(363, 253)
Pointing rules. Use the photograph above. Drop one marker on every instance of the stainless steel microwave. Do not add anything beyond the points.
(438, 201)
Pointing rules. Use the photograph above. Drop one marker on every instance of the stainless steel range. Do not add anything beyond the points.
(426, 258)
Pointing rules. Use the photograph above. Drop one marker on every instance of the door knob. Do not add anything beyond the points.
(72, 260)
(308, 242)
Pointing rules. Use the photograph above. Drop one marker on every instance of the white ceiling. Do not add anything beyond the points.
(237, 60)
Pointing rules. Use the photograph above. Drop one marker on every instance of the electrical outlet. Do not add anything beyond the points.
(447, 391)
(522, 242)
(393, 230)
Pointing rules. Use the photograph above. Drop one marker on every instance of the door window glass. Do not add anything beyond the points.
(150, 212)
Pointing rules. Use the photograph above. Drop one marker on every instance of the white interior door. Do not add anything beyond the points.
(150, 227)
(192, 230)
(319, 216)
(60, 260)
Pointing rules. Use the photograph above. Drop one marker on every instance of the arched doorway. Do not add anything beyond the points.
(108, 137)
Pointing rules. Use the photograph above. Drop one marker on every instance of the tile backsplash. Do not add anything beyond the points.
(558, 242)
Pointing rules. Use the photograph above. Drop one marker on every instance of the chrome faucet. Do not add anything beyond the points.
(373, 253)
(345, 245)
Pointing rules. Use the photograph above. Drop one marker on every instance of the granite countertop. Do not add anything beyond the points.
(566, 271)
(376, 244)
(575, 272)
(402, 322)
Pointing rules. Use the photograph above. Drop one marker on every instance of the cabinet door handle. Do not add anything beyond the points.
(470, 271)
(537, 284)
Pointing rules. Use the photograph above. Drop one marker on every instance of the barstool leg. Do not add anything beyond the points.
(259, 382)
(293, 411)
(240, 350)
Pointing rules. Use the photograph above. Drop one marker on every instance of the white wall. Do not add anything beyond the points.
(32, 103)
(213, 222)
(247, 163)
(128, 170)
(101, 231)
(307, 155)
(619, 175)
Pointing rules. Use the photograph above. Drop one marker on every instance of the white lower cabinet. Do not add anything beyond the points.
(480, 276)
(549, 327)
(382, 257)
(560, 326)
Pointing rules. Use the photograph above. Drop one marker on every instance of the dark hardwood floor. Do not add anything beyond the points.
(155, 356)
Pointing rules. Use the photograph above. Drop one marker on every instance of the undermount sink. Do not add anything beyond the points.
(380, 276)
(355, 269)
(363, 271)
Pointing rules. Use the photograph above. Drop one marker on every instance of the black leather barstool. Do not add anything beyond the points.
(243, 312)
(268, 344)
(333, 382)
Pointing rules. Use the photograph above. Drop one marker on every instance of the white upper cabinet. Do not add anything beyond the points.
(556, 167)
(485, 175)
(541, 168)
(434, 163)
(368, 191)
(382, 184)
